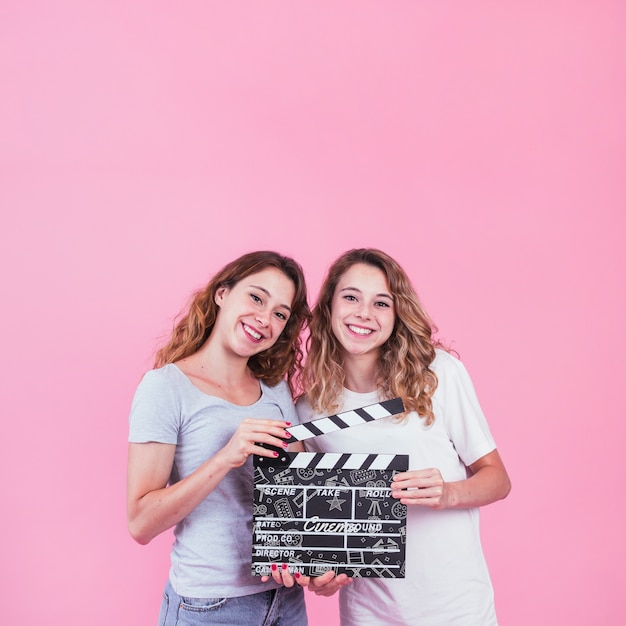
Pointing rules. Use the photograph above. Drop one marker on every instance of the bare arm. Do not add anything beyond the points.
(488, 482)
(154, 506)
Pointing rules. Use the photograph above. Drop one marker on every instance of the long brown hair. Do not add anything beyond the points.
(403, 366)
(282, 359)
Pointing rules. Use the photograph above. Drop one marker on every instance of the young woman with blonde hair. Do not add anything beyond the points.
(370, 339)
(221, 385)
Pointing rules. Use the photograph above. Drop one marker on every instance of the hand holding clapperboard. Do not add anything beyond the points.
(319, 511)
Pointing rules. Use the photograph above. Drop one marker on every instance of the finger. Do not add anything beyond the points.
(337, 583)
(418, 481)
(263, 442)
(324, 579)
(328, 584)
(276, 574)
(399, 492)
(261, 450)
(327, 590)
(288, 579)
(282, 575)
(430, 497)
(405, 483)
(408, 478)
(274, 427)
(400, 476)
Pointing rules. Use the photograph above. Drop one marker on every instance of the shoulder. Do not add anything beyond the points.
(159, 376)
(162, 378)
(305, 412)
(280, 391)
(165, 386)
(451, 373)
(157, 406)
(446, 363)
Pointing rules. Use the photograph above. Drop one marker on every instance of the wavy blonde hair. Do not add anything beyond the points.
(403, 366)
(282, 359)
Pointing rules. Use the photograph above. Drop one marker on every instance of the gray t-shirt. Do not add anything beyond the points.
(212, 552)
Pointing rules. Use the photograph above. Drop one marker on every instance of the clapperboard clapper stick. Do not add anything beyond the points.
(340, 421)
(325, 425)
(321, 511)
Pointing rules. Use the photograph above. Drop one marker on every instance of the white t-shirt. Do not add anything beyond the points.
(447, 581)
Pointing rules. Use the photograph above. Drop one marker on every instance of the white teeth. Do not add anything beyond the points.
(360, 331)
(252, 332)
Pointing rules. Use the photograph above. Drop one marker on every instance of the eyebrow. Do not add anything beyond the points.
(266, 292)
(378, 295)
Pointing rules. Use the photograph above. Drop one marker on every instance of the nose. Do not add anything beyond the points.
(363, 311)
(261, 319)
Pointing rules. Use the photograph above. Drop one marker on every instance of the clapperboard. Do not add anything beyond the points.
(334, 511)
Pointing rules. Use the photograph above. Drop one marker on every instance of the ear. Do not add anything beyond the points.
(219, 295)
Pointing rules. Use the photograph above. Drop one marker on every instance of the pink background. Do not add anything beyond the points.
(144, 144)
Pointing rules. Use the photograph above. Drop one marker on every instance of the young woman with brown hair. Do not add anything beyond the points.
(221, 385)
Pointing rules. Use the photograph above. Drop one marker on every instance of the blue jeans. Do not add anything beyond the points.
(278, 607)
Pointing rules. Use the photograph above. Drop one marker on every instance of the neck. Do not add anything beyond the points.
(220, 365)
(360, 372)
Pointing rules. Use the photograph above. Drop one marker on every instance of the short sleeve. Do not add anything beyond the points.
(155, 413)
(456, 402)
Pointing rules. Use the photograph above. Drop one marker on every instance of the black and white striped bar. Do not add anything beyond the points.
(332, 423)
(335, 460)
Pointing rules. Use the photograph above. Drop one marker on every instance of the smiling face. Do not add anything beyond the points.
(362, 310)
(254, 311)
